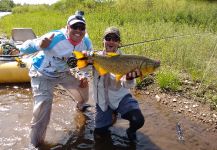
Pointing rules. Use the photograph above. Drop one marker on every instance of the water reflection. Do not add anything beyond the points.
(14, 115)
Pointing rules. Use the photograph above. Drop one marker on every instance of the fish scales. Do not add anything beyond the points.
(120, 64)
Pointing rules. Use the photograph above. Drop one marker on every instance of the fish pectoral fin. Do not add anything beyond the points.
(81, 61)
(118, 77)
(141, 77)
(78, 55)
(100, 70)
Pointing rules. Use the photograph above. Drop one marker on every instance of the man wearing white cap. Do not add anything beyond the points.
(51, 66)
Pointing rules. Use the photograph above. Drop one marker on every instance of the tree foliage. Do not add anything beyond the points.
(6, 5)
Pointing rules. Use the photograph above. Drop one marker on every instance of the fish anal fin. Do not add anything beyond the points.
(118, 77)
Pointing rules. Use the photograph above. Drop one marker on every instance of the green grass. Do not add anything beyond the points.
(140, 20)
(168, 80)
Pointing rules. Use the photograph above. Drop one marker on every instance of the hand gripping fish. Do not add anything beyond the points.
(117, 64)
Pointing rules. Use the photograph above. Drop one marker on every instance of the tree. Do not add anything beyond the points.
(6, 5)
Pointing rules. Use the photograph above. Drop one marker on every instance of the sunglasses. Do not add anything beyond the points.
(112, 37)
(79, 26)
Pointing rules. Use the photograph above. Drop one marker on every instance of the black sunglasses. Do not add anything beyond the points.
(114, 38)
(79, 26)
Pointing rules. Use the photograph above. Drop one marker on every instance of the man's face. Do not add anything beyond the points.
(76, 31)
(111, 42)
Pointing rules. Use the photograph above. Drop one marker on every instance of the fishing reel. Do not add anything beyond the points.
(72, 62)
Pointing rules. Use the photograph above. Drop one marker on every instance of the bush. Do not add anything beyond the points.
(6, 5)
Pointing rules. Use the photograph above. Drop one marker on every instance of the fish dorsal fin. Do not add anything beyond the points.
(110, 54)
(100, 70)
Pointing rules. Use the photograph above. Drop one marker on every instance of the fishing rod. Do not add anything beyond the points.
(157, 39)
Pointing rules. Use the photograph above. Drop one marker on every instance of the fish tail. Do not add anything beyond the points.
(81, 59)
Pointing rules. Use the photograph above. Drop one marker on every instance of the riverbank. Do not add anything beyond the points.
(185, 103)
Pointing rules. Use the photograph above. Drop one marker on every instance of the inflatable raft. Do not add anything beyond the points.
(13, 71)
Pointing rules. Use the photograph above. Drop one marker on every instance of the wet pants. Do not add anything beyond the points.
(42, 88)
(129, 110)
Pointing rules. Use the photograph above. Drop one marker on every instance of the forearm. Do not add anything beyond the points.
(29, 47)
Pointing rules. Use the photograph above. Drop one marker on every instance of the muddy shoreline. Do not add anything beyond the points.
(184, 104)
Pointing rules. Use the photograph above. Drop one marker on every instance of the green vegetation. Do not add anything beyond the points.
(168, 79)
(194, 53)
(6, 5)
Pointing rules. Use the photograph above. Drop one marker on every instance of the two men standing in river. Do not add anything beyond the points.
(51, 67)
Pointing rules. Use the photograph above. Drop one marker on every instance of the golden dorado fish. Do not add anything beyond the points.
(117, 64)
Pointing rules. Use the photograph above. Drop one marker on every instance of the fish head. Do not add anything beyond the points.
(149, 66)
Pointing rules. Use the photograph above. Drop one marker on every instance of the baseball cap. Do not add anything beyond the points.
(75, 19)
(113, 30)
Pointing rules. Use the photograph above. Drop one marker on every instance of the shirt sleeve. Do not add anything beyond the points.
(30, 46)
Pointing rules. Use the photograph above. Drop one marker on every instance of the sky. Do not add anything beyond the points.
(34, 1)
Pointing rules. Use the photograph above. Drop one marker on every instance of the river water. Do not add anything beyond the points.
(4, 14)
(70, 129)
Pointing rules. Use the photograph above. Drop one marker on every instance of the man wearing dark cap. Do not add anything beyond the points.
(51, 67)
(112, 97)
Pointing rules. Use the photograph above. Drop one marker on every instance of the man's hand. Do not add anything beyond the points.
(45, 43)
(133, 74)
(88, 54)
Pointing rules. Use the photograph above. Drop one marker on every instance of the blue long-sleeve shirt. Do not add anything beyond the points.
(52, 60)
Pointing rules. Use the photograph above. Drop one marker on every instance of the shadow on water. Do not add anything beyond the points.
(117, 140)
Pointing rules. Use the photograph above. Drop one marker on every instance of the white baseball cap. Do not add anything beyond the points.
(75, 19)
